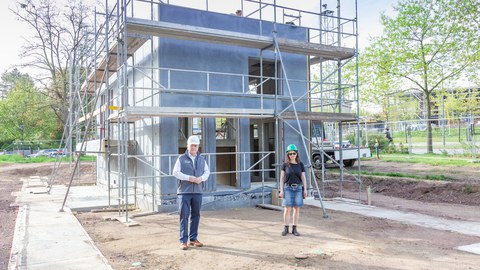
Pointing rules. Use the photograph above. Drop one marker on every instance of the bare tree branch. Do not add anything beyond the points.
(55, 45)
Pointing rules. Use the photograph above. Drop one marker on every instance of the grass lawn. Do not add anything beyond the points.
(21, 159)
(451, 136)
(432, 159)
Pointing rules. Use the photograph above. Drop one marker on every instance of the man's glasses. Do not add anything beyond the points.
(292, 154)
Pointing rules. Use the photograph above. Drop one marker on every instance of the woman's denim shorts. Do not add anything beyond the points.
(293, 196)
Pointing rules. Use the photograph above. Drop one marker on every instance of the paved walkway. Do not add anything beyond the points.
(46, 238)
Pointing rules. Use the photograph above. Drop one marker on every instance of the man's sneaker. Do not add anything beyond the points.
(196, 243)
(183, 246)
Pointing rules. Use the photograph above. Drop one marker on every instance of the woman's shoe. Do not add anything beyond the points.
(285, 231)
(294, 231)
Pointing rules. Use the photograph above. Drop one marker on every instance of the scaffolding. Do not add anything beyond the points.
(135, 105)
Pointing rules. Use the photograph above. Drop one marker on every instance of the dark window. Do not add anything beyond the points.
(262, 76)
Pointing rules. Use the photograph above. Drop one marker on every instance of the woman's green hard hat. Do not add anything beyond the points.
(291, 147)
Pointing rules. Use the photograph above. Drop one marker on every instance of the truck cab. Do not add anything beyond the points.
(332, 150)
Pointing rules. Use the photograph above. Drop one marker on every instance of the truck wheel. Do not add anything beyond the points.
(349, 162)
(317, 162)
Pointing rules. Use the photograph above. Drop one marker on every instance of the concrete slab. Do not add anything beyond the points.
(46, 238)
(86, 198)
(128, 222)
(36, 181)
(463, 227)
(270, 206)
(474, 248)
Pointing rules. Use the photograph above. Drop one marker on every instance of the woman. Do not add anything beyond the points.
(292, 188)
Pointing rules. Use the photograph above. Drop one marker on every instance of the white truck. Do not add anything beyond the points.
(349, 152)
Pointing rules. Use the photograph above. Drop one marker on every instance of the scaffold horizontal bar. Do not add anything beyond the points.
(320, 116)
(139, 112)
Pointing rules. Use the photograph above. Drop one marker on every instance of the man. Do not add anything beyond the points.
(190, 170)
(388, 136)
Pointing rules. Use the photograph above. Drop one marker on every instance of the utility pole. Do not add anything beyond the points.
(22, 127)
(472, 136)
(443, 121)
(366, 133)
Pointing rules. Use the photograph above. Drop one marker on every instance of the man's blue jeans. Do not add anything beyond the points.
(190, 205)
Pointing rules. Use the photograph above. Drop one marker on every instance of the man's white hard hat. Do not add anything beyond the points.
(193, 140)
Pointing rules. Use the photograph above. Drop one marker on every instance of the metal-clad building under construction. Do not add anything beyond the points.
(246, 85)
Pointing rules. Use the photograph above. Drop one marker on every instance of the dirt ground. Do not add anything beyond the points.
(461, 187)
(250, 238)
(9, 182)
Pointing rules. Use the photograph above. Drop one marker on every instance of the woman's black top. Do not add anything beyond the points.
(293, 173)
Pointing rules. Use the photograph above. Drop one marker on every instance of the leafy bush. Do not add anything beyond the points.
(384, 146)
(467, 149)
(468, 190)
(382, 142)
(439, 177)
(402, 148)
(5, 144)
(444, 152)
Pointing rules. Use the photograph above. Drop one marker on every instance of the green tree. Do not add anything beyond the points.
(424, 46)
(25, 113)
(14, 76)
(375, 86)
(462, 101)
(467, 98)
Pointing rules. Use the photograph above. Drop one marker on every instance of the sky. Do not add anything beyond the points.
(14, 32)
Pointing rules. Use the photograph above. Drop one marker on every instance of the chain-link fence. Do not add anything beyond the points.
(25, 148)
(450, 138)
